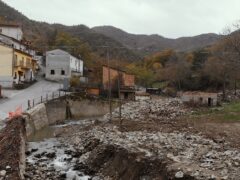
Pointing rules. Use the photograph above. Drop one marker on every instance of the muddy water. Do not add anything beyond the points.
(50, 131)
(49, 157)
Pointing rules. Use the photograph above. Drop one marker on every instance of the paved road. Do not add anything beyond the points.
(18, 98)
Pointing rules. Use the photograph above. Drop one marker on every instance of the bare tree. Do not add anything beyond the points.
(224, 65)
(177, 70)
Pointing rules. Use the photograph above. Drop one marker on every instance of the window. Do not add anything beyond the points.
(62, 72)
(15, 75)
(52, 72)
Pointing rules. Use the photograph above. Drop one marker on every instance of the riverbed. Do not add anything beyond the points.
(49, 157)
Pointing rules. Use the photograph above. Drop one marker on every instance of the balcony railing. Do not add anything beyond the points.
(22, 64)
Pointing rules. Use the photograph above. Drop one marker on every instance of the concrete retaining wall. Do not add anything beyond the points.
(54, 112)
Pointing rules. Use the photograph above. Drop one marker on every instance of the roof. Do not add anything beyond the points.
(142, 94)
(199, 93)
(22, 52)
(10, 25)
(117, 69)
(20, 42)
(114, 68)
(58, 52)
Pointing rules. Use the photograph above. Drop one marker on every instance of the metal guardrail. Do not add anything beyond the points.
(44, 99)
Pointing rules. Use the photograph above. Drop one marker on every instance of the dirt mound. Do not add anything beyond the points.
(114, 162)
(10, 148)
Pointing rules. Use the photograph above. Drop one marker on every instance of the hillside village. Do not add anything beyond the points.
(21, 65)
(79, 103)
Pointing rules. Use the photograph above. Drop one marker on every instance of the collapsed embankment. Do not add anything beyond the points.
(104, 160)
(14, 136)
(12, 149)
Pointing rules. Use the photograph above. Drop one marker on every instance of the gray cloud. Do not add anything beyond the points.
(170, 18)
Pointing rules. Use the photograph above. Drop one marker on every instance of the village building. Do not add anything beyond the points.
(119, 81)
(12, 30)
(200, 98)
(16, 66)
(61, 65)
(17, 63)
(142, 96)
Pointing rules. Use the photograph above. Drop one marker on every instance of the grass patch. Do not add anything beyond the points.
(228, 112)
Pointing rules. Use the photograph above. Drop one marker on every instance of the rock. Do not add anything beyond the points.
(3, 173)
(63, 175)
(179, 175)
(38, 156)
(51, 155)
(34, 150)
(213, 177)
(28, 153)
(236, 164)
(8, 167)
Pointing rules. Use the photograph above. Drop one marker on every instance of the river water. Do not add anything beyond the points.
(52, 155)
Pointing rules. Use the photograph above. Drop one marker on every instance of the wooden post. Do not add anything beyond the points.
(46, 97)
(119, 98)
(33, 103)
(41, 99)
(29, 104)
(109, 88)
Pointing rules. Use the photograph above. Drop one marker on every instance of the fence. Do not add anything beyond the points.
(43, 99)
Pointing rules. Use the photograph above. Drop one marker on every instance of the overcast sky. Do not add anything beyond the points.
(170, 18)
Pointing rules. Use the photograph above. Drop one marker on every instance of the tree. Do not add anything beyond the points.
(144, 76)
(221, 66)
(226, 58)
(177, 70)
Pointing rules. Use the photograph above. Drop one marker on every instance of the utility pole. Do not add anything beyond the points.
(109, 88)
(119, 98)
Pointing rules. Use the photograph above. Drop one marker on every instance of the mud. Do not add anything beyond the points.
(12, 146)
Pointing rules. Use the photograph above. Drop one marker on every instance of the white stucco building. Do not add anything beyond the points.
(14, 31)
(60, 65)
(12, 35)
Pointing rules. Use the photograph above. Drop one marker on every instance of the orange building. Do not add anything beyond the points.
(126, 81)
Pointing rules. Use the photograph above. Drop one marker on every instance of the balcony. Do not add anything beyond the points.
(22, 64)
(18, 63)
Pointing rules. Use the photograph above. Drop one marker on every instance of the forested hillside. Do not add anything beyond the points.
(43, 35)
(149, 44)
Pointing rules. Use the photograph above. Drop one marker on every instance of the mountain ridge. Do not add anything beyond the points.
(124, 45)
(153, 43)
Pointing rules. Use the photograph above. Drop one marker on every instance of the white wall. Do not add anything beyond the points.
(76, 65)
(13, 32)
(57, 63)
(16, 45)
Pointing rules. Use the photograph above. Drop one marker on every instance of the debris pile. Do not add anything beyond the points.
(231, 95)
(162, 109)
(185, 155)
